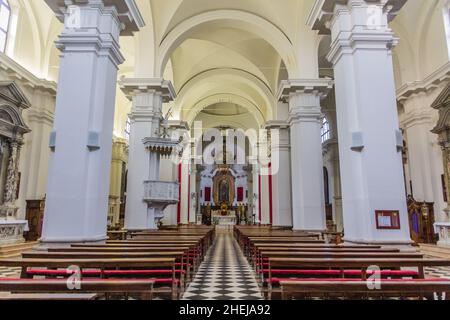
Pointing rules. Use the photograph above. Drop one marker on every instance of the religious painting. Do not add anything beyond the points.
(224, 190)
(224, 187)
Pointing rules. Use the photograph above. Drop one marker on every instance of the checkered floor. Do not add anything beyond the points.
(224, 274)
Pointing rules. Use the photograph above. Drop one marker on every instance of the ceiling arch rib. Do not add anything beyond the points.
(226, 81)
(238, 19)
(204, 103)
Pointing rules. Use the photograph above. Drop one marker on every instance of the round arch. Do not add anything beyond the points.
(239, 76)
(230, 98)
(239, 19)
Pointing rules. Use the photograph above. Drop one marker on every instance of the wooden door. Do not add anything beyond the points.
(35, 217)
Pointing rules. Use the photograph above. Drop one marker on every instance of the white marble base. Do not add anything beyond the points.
(229, 220)
(443, 229)
(11, 231)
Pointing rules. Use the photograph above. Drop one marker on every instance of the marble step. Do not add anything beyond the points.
(14, 250)
(435, 251)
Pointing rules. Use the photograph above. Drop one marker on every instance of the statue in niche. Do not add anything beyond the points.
(224, 191)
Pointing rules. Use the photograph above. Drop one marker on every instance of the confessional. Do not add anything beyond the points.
(421, 221)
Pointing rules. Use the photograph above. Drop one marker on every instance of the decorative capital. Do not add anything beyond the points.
(127, 11)
(319, 87)
(134, 86)
(323, 11)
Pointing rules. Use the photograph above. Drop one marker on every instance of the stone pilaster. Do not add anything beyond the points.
(81, 141)
(148, 96)
(308, 204)
(370, 142)
(281, 172)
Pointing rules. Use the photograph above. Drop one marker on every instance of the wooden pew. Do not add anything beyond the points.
(195, 254)
(250, 242)
(105, 265)
(7, 296)
(265, 256)
(418, 289)
(179, 257)
(41, 288)
(188, 261)
(256, 257)
(358, 265)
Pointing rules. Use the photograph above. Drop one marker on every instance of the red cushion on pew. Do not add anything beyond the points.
(305, 272)
(385, 273)
(139, 272)
(45, 272)
(165, 281)
(178, 264)
(277, 280)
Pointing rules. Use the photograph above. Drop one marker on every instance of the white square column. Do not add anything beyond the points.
(281, 173)
(308, 200)
(370, 143)
(148, 96)
(81, 141)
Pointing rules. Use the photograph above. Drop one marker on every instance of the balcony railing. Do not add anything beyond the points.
(161, 192)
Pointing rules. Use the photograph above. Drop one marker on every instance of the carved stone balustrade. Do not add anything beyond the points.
(161, 192)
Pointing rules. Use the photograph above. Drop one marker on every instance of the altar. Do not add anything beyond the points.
(221, 221)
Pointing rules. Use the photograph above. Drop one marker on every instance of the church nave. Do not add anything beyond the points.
(224, 274)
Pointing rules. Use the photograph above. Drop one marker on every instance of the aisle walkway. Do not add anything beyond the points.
(224, 274)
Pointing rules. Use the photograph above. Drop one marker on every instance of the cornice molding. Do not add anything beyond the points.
(41, 116)
(25, 77)
(430, 82)
(308, 86)
(134, 86)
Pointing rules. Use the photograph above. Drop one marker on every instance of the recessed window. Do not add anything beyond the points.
(446, 12)
(128, 129)
(5, 15)
(325, 132)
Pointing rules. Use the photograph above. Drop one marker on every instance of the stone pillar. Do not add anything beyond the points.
(308, 203)
(78, 180)
(333, 149)
(147, 95)
(370, 142)
(281, 173)
(193, 193)
(418, 122)
(254, 214)
(118, 162)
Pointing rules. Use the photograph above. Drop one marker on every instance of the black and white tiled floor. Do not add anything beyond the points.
(224, 274)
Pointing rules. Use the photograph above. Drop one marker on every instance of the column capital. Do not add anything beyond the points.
(355, 24)
(136, 86)
(127, 11)
(317, 87)
(324, 11)
(277, 124)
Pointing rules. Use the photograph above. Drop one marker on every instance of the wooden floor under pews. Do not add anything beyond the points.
(198, 263)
